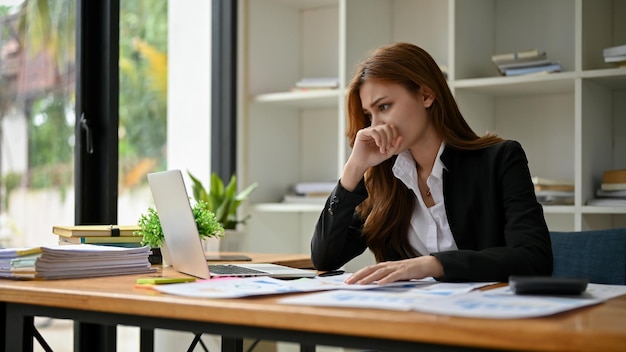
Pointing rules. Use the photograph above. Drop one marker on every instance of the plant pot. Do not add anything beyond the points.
(233, 241)
(155, 257)
(211, 245)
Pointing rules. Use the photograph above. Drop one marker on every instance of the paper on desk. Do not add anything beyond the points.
(502, 303)
(232, 288)
(254, 286)
(396, 296)
(499, 303)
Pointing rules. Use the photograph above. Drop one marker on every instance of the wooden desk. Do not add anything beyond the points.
(112, 300)
(302, 261)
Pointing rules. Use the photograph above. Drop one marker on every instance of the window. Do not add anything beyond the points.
(37, 80)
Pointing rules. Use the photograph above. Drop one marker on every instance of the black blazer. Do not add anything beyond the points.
(493, 213)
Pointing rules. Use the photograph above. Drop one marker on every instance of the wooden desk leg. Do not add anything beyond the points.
(94, 337)
(146, 340)
(232, 344)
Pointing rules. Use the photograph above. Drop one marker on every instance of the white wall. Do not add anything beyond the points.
(189, 87)
(188, 115)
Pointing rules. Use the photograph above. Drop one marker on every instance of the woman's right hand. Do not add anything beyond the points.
(372, 146)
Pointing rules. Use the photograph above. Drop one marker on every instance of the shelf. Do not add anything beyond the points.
(288, 207)
(590, 209)
(561, 82)
(571, 124)
(558, 209)
(614, 78)
(301, 99)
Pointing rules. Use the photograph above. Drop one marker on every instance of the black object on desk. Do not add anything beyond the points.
(547, 285)
(227, 258)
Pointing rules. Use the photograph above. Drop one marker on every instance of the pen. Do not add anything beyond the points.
(331, 273)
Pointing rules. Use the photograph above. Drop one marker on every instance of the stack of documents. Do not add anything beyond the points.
(108, 235)
(425, 295)
(73, 261)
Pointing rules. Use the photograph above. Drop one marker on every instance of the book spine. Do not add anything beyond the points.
(613, 186)
(535, 69)
(517, 55)
(614, 51)
(614, 176)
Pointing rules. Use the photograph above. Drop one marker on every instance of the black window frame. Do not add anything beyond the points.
(97, 103)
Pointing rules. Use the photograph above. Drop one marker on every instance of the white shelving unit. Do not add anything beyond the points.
(572, 124)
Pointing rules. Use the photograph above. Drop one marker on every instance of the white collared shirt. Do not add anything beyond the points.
(429, 231)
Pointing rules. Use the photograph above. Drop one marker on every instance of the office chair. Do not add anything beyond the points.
(598, 255)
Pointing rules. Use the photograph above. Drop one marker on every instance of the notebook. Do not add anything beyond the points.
(183, 241)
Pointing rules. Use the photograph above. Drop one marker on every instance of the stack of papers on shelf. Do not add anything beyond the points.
(310, 192)
(314, 188)
(615, 55)
(73, 261)
(551, 191)
(317, 83)
(612, 190)
(533, 61)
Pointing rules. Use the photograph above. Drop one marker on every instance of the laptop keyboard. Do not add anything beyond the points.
(225, 269)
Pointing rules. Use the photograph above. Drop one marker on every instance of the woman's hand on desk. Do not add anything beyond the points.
(407, 269)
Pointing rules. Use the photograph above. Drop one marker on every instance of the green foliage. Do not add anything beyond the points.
(48, 27)
(50, 132)
(152, 232)
(10, 181)
(222, 200)
(143, 79)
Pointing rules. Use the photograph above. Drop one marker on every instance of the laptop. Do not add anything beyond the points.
(183, 241)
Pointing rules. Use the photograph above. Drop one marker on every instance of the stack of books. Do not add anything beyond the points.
(109, 235)
(309, 83)
(615, 55)
(612, 190)
(73, 261)
(553, 191)
(533, 61)
(309, 192)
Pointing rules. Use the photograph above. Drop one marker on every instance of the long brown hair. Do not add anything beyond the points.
(390, 204)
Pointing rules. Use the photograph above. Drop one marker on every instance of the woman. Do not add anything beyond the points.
(421, 190)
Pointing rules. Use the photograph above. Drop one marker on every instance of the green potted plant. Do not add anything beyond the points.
(152, 233)
(223, 200)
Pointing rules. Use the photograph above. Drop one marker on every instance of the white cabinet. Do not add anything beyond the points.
(572, 124)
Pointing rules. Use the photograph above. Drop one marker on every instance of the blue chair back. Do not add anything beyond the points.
(598, 255)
